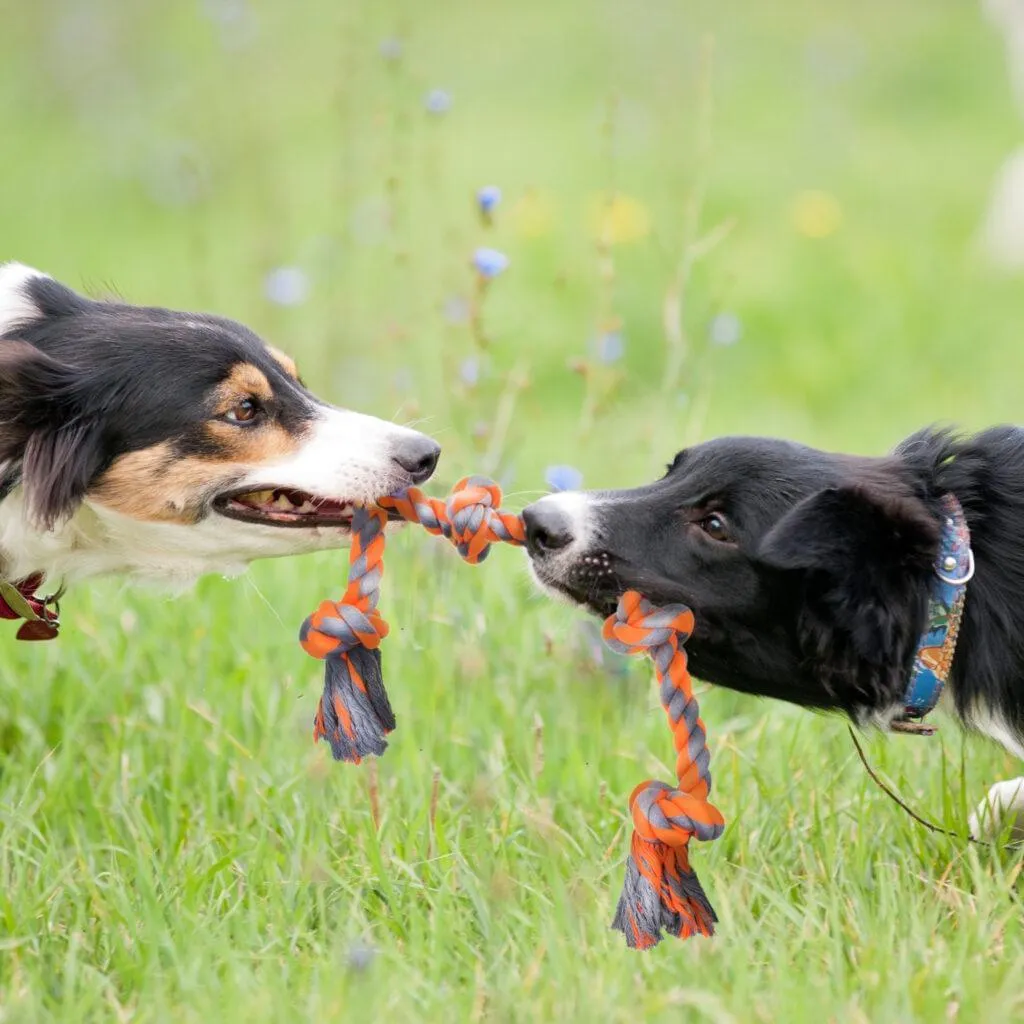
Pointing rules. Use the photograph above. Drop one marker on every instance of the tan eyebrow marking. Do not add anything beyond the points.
(285, 361)
(243, 380)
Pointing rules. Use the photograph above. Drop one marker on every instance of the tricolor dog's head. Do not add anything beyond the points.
(179, 438)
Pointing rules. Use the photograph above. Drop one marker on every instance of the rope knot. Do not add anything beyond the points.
(637, 627)
(336, 629)
(661, 893)
(473, 510)
(663, 814)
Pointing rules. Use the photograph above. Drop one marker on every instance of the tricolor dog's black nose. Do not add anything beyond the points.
(418, 456)
(548, 528)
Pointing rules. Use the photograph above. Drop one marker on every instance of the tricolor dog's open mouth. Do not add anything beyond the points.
(286, 506)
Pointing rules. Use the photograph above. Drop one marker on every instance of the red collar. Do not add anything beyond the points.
(18, 600)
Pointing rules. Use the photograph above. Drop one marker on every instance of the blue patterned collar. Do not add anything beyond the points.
(954, 568)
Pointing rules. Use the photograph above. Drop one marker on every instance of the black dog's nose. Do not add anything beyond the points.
(547, 528)
(418, 456)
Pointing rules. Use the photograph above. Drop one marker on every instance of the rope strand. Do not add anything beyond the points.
(661, 892)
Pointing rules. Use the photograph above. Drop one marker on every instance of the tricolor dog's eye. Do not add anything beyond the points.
(714, 524)
(244, 411)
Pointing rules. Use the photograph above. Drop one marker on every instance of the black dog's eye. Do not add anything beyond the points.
(244, 412)
(715, 526)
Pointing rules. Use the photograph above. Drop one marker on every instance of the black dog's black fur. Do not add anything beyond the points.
(809, 572)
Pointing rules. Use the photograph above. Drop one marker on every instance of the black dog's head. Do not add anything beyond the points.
(806, 571)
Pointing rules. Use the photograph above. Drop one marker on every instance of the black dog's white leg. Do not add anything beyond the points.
(1003, 808)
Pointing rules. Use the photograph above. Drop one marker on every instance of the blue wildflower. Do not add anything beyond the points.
(611, 346)
(725, 329)
(507, 478)
(179, 175)
(563, 478)
(438, 101)
(592, 640)
(469, 371)
(489, 262)
(488, 198)
(360, 957)
(287, 286)
(235, 20)
(390, 48)
(456, 309)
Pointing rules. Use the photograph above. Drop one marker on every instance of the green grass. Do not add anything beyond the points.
(172, 847)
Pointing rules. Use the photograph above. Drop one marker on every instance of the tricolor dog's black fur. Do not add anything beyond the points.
(166, 444)
(808, 572)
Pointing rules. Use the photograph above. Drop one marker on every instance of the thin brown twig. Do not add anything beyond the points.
(695, 248)
(373, 785)
(930, 825)
(476, 312)
(435, 789)
(515, 381)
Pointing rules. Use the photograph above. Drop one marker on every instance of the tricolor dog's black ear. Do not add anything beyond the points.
(862, 557)
(46, 434)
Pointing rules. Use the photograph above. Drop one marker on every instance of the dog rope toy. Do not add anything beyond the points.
(661, 893)
(355, 714)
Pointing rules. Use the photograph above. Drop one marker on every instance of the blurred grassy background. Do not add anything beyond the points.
(803, 183)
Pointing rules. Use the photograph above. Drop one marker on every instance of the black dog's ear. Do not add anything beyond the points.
(863, 558)
(842, 529)
(45, 432)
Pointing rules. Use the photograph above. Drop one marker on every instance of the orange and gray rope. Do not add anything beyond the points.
(661, 892)
(355, 714)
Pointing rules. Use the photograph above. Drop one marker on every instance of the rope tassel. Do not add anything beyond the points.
(355, 714)
(661, 893)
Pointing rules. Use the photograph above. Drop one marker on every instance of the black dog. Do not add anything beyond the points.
(809, 572)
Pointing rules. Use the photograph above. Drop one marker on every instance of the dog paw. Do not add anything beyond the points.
(1002, 811)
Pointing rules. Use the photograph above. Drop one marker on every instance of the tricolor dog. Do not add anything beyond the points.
(164, 445)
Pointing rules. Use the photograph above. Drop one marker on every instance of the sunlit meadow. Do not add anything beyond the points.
(566, 239)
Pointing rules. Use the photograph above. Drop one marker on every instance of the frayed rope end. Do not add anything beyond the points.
(661, 896)
(354, 714)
